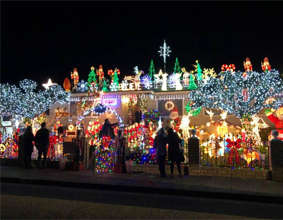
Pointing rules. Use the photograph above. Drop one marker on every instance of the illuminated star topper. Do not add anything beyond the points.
(48, 84)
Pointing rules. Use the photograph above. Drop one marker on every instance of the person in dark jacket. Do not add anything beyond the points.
(174, 152)
(193, 146)
(107, 129)
(28, 146)
(42, 144)
(159, 145)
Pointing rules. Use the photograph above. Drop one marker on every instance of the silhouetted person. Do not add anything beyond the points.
(107, 129)
(138, 115)
(160, 142)
(193, 146)
(276, 148)
(28, 146)
(174, 142)
(42, 144)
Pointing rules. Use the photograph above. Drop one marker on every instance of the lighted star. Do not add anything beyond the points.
(48, 84)
(157, 76)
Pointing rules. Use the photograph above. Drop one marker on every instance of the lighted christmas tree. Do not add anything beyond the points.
(151, 70)
(240, 94)
(177, 68)
(115, 83)
(104, 87)
(192, 84)
(199, 71)
(92, 81)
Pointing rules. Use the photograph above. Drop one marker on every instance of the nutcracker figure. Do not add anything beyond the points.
(75, 77)
(100, 73)
(265, 66)
(248, 65)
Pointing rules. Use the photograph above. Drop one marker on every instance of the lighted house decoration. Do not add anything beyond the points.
(265, 66)
(186, 77)
(75, 77)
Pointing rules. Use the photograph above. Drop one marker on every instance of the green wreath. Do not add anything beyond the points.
(193, 112)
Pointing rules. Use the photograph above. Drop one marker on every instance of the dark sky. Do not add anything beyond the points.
(47, 40)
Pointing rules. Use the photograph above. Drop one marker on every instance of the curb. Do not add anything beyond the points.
(151, 190)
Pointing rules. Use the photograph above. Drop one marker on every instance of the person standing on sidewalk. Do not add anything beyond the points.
(28, 146)
(174, 152)
(159, 145)
(193, 146)
(42, 144)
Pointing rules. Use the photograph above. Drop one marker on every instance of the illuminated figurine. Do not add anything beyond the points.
(278, 121)
(100, 73)
(75, 77)
(186, 77)
(248, 66)
(265, 66)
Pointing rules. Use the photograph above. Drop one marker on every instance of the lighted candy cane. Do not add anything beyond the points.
(234, 146)
(225, 67)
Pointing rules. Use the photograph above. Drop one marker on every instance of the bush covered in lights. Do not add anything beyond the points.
(240, 93)
(26, 102)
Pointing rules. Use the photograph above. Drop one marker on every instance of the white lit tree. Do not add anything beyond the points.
(240, 94)
(27, 102)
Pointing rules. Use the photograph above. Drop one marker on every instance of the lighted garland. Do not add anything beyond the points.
(192, 112)
(169, 105)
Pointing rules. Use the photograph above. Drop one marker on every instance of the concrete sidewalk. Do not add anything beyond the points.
(199, 186)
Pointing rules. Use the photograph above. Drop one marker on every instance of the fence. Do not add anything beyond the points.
(243, 157)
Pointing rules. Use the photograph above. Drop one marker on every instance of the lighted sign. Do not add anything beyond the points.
(110, 101)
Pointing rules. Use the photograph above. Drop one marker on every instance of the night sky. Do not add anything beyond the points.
(47, 40)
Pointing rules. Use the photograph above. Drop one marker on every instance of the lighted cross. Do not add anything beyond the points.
(48, 84)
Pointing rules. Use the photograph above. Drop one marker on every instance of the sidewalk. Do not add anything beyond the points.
(198, 186)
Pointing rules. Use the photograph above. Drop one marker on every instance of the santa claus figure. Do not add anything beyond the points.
(277, 120)
(265, 66)
(175, 121)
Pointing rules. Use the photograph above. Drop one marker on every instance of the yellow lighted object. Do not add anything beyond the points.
(71, 127)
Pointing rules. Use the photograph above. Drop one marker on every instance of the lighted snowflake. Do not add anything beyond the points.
(82, 86)
(146, 81)
(164, 51)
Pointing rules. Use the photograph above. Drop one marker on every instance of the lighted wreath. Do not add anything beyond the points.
(169, 105)
(193, 112)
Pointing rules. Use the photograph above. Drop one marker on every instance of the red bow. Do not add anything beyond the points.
(234, 146)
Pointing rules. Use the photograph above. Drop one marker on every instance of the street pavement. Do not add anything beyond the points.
(200, 186)
(25, 201)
